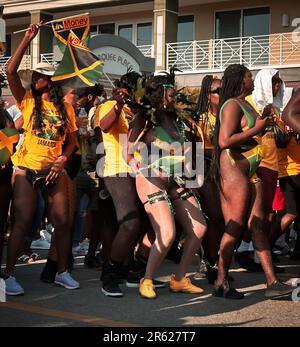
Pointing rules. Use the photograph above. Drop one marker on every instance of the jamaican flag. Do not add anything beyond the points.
(79, 25)
(9, 137)
(79, 67)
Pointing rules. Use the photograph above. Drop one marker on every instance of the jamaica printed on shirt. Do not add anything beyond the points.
(52, 126)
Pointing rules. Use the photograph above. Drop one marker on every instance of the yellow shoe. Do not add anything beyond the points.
(146, 289)
(184, 285)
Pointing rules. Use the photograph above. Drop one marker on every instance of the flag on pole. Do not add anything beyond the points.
(79, 25)
(79, 66)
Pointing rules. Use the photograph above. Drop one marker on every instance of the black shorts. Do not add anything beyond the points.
(290, 187)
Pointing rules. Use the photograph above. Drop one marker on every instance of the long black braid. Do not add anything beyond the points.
(232, 86)
(203, 101)
(56, 96)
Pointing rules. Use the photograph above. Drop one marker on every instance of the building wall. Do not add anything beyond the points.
(205, 14)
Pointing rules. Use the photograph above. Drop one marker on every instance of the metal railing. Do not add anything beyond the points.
(216, 55)
(148, 50)
(48, 58)
(25, 63)
(277, 50)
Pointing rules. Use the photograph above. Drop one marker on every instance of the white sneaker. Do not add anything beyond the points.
(46, 235)
(82, 248)
(64, 279)
(50, 228)
(281, 247)
(40, 243)
(85, 245)
(251, 248)
(12, 287)
(280, 242)
(78, 251)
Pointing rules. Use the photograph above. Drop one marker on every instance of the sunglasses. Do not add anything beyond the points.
(215, 91)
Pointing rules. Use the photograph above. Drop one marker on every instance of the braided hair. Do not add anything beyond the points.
(203, 101)
(56, 97)
(129, 81)
(232, 87)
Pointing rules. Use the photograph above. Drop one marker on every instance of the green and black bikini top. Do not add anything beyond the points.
(165, 152)
(251, 143)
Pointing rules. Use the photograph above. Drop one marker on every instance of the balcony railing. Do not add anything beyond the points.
(148, 50)
(25, 63)
(48, 58)
(281, 50)
(276, 50)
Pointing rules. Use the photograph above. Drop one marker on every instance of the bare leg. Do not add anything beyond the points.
(24, 202)
(162, 221)
(260, 239)
(190, 217)
(6, 194)
(60, 212)
(235, 203)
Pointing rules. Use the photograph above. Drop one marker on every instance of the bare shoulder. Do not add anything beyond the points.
(232, 108)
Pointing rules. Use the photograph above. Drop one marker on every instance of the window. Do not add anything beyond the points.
(103, 29)
(233, 26)
(93, 30)
(7, 46)
(126, 32)
(228, 24)
(107, 28)
(144, 34)
(256, 21)
(248, 22)
(185, 31)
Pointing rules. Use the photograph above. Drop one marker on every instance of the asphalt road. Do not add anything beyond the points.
(48, 305)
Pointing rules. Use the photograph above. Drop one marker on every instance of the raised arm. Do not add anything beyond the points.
(291, 114)
(230, 135)
(14, 62)
(114, 113)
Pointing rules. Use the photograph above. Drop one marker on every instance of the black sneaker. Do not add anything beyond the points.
(225, 291)
(278, 289)
(111, 288)
(49, 272)
(212, 274)
(134, 278)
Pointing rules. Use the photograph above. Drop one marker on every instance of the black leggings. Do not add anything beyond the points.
(127, 205)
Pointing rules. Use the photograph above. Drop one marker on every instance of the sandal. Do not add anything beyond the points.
(34, 257)
(24, 259)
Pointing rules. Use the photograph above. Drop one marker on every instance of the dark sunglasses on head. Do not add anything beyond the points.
(215, 91)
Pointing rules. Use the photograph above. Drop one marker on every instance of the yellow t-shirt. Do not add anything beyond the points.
(114, 162)
(207, 124)
(270, 159)
(42, 147)
(289, 157)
